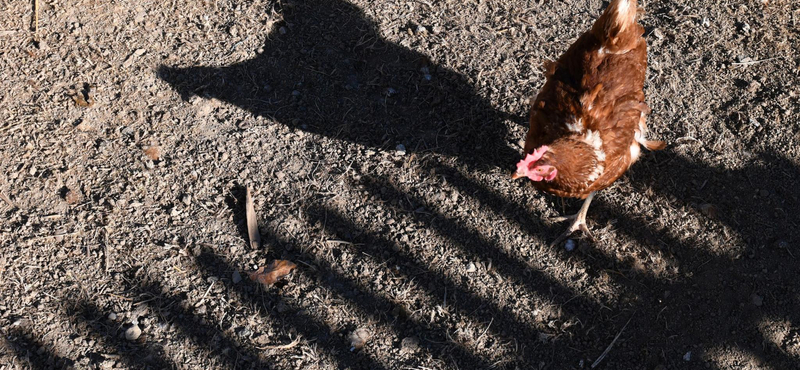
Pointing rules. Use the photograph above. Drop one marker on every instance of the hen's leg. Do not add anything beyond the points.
(578, 222)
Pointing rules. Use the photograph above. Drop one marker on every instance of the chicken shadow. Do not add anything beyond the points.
(325, 69)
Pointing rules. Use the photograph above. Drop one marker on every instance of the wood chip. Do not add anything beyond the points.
(252, 222)
(273, 272)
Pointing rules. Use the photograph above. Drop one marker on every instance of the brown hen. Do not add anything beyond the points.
(588, 121)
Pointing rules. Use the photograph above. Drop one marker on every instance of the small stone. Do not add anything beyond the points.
(282, 30)
(757, 300)
(186, 199)
(471, 267)
(359, 338)
(112, 316)
(709, 210)
(401, 149)
(409, 344)
(569, 245)
(658, 34)
(236, 277)
(745, 27)
(687, 356)
(262, 339)
(243, 332)
(73, 196)
(281, 307)
(133, 333)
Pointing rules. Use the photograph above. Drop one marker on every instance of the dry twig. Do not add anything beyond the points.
(608, 349)
(252, 222)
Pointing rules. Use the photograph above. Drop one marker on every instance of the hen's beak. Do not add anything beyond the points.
(516, 175)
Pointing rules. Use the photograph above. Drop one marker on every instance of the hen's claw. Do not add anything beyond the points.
(578, 222)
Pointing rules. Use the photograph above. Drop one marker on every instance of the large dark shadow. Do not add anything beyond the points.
(31, 350)
(724, 294)
(90, 321)
(327, 70)
(373, 303)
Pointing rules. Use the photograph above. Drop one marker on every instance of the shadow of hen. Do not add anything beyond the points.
(327, 70)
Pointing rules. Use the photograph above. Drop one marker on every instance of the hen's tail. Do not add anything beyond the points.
(617, 28)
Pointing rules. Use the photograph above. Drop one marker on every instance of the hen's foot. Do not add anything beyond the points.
(578, 222)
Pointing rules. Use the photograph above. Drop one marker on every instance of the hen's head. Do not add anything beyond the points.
(536, 166)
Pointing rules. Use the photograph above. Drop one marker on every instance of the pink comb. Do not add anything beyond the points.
(524, 165)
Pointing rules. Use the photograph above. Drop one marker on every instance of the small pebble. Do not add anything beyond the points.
(112, 316)
(186, 199)
(401, 149)
(708, 209)
(236, 277)
(244, 332)
(757, 300)
(569, 245)
(687, 356)
(281, 307)
(658, 34)
(358, 338)
(409, 344)
(471, 267)
(133, 333)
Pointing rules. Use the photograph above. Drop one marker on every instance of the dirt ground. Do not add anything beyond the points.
(378, 137)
